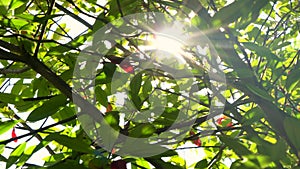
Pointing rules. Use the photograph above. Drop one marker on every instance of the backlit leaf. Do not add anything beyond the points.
(7, 125)
(48, 108)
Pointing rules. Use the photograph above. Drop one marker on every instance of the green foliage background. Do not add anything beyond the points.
(261, 60)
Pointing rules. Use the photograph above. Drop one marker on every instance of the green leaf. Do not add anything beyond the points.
(136, 100)
(135, 84)
(102, 79)
(235, 145)
(20, 9)
(15, 155)
(67, 164)
(259, 92)
(3, 159)
(194, 5)
(202, 164)
(168, 153)
(245, 20)
(10, 98)
(16, 3)
(73, 143)
(147, 87)
(114, 8)
(143, 162)
(158, 163)
(53, 159)
(29, 45)
(48, 108)
(275, 47)
(26, 155)
(142, 130)
(78, 41)
(131, 7)
(3, 9)
(99, 22)
(293, 78)
(43, 88)
(244, 164)
(36, 18)
(168, 117)
(29, 152)
(101, 96)
(59, 32)
(45, 18)
(17, 87)
(2, 147)
(275, 151)
(5, 3)
(113, 118)
(109, 69)
(252, 116)
(65, 113)
(98, 162)
(66, 75)
(292, 128)
(7, 125)
(261, 50)
(29, 74)
(232, 12)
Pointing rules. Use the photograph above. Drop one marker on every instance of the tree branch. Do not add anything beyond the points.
(39, 130)
(13, 71)
(43, 29)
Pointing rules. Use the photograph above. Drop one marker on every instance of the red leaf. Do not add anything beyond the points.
(124, 64)
(197, 142)
(14, 135)
(127, 67)
(229, 124)
(192, 133)
(219, 120)
(120, 164)
(113, 151)
(109, 108)
(23, 32)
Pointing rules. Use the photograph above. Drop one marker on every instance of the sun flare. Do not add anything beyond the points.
(167, 44)
(169, 39)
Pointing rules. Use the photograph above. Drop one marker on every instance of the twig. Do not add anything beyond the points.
(13, 71)
(43, 29)
(39, 130)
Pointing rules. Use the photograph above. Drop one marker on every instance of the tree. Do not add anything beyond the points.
(231, 88)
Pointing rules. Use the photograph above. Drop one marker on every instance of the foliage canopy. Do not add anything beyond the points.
(257, 42)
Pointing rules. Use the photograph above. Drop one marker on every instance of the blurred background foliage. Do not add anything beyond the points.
(257, 40)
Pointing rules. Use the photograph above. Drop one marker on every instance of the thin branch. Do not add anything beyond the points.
(73, 16)
(43, 29)
(217, 157)
(184, 148)
(13, 71)
(39, 130)
(120, 8)
(36, 135)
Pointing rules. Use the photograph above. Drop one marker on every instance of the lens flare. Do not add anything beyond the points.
(168, 44)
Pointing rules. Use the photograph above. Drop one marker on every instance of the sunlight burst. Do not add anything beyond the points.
(168, 44)
(170, 39)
